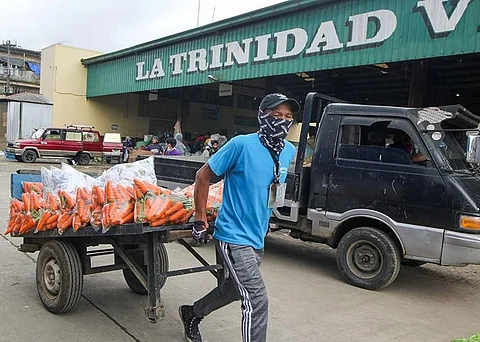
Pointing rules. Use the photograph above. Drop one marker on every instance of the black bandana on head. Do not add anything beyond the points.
(273, 131)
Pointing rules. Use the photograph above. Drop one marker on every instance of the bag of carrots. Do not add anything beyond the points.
(83, 208)
(67, 205)
(49, 214)
(32, 205)
(119, 205)
(98, 201)
(145, 194)
(14, 222)
(32, 186)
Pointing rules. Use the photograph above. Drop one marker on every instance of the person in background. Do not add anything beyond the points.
(167, 134)
(155, 146)
(180, 145)
(210, 150)
(171, 150)
(127, 147)
(254, 166)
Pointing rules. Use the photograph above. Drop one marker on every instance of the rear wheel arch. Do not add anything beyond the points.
(356, 222)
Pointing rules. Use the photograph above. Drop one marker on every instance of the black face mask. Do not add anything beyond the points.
(273, 131)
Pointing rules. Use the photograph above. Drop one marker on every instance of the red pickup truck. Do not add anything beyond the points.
(74, 143)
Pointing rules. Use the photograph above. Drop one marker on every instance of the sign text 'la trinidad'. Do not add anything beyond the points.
(293, 42)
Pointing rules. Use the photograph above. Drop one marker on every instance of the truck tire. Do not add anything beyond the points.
(368, 258)
(83, 159)
(59, 276)
(29, 156)
(132, 280)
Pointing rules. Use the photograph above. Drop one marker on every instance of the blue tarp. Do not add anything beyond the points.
(34, 67)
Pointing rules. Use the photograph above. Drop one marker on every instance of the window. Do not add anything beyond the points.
(52, 134)
(382, 141)
(90, 137)
(73, 136)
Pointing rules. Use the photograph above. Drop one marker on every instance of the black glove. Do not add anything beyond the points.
(199, 231)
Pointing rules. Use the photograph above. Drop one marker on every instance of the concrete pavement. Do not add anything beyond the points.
(308, 299)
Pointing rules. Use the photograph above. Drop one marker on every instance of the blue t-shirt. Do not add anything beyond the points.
(249, 171)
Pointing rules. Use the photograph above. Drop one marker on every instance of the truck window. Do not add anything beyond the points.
(90, 137)
(381, 141)
(73, 136)
(52, 134)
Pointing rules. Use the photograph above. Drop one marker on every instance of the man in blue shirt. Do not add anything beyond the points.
(253, 166)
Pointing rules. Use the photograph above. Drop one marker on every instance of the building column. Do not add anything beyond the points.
(418, 83)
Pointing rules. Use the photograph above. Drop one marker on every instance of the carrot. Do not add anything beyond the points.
(128, 218)
(99, 194)
(43, 220)
(109, 196)
(167, 205)
(187, 216)
(26, 202)
(76, 224)
(64, 221)
(27, 224)
(130, 191)
(173, 209)
(157, 204)
(159, 222)
(52, 219)
(51, 226)
(125, 210)
(178, 215)
(140, 188)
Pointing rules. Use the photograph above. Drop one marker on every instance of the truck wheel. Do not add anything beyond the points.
(132, 280)
(83, 159)
(29, 156)
(59, 276)
(368, 258)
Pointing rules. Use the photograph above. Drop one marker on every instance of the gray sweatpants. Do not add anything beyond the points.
(244, 281)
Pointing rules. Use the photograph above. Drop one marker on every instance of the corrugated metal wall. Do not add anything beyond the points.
(24, 118)
(412, 39)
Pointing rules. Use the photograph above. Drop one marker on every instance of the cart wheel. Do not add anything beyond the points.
(59, 276)
(132, 280)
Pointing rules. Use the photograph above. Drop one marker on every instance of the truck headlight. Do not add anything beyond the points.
(16, 145)
(470, 222)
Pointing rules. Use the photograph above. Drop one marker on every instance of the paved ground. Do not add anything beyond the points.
(308, 299)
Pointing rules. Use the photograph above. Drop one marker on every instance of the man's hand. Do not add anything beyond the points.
(199, 231)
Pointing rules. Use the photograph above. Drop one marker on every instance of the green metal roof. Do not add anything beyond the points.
(354, 32)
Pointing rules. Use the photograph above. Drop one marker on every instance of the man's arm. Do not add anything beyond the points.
(202, 183)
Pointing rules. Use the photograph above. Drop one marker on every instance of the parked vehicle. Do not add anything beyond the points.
(378, 204)
(73, 142)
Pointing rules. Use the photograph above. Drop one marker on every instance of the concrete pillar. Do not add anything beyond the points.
(418, 83)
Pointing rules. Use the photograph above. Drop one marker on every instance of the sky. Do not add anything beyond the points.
(109, 25)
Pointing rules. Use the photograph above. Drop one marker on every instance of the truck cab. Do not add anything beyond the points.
(385, 186)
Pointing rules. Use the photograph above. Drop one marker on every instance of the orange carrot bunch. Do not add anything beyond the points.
(16, 216)
(67, 204)
(169, 210)
(49, 214)
(83, 208)
(32, 206)
(98, 201)
(28, 187)
(145, 195)
(119, 205)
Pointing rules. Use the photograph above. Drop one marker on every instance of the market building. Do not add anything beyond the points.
(212, 78)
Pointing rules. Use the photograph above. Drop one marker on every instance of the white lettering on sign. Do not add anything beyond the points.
(262, 48)
(299, 37)
(234, 50)
(327, 36)
(437, 15)
(197, 60)
(365, 30)
(177, 60)
(157, 69)
(140, 74)
(386, 24)
(216, 56)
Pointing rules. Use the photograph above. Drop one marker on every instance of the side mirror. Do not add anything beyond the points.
(473, 149)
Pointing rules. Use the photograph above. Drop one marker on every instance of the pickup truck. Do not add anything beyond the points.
(73, 142)
(377, 204)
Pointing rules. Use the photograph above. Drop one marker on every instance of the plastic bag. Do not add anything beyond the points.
(66, 179)
(16, 209)
(32, 206)
(125, 173)
(49, 213)
(98, 201)
(146, 194)
(83, 208)
(119, 205)
(67, 205)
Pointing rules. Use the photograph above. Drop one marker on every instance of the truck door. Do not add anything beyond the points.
(51, 143)
(92, 143)
(370, 171)
(73, 143)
